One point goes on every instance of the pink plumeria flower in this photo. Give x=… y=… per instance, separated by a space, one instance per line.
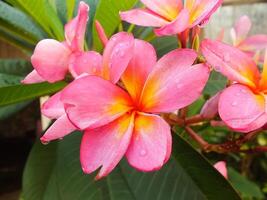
x=171 y=16
x=52 y=60
x=221 y=167
x=110 y=66
x=125 y=121
x=242 y=106
x=251 y=44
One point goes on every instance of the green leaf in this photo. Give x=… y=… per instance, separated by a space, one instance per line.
x=18 y=93
x=186 y=176
x=247 y=188
x=164 y=45
x=107 y=13
x=43 y=14
x=216 y=83
x=12 y=71
x=19 y=24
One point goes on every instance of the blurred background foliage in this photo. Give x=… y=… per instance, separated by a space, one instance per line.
x=53 y=171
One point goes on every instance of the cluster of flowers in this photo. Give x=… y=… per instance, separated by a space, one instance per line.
x=117 y=98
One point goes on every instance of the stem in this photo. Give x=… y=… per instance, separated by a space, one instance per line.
x=131 y=27
x=204 y=145
x=195 y=119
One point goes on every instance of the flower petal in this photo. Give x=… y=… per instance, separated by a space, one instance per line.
x=105 y=146
x=210 y=108
x=263 y=81
x=117 y=55
x=50 y=60
x=241 y=109
x=231 y=62
x=33 y=77
x=202 y=11
x=174 y=83
x=53 y=108
x=168 y=9
x=143 y=17
x=253 y=43
x=86 y=62
x=92 y=102
x=150 y=146
x=60 y=128
x=221 y=167
x=140 y=66
x=180 y=24
x=241 y=29
x=75 y=29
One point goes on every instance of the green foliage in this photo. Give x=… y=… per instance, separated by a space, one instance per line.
x=107 y=14
x=18 y=93
x=53 y=172
x=215 y=84
x=248 y=189
x=42 y=12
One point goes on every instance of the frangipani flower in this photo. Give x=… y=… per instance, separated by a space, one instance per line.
x=125 y=121
x=110 y=66
x=171 y=16
x=251 y=44
x=242 y=106
x=52 y=59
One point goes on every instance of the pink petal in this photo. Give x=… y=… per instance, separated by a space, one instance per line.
x=75 y=29
x=241 y=109
x=101 y=33
x=50 y=60
x=231 y=62
x=253 y=43
x=92 y=102
x=242 y=27
x=151 y=143
x=221 y=167
x=140 y=66
x=117 y=55
x=263 y=81
x=178 y=25
x=33 y=77
x=105 y=146
x=86 y=62
x=202 y=11
x=143 y=17
x=210 y=108
x=174 y=83
x=168 y=9
x=60 y=128
x=53 y=108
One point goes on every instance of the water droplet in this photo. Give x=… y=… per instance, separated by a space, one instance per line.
x=44 y=142
x=122 y=54
x=226 y=57
x=117 y=50
x=243 y=91
x=217 y=68
x=143 y=152
x=234 y=103
x=60 y=138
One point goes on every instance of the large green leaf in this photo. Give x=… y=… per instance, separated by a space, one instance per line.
x=107 y=13
x=42 y=12
x=8 y=111
x=186 y=176
x=12 y=71
x=164 y=45
x=19 y=24
x=18 y=93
